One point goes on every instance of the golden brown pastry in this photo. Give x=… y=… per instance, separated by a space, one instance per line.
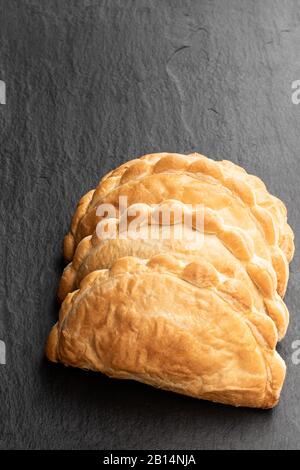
x=173 y=325
x=155 y=173
x=200 y=315
x=93 y=253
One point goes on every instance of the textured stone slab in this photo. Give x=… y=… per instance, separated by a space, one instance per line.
x=90 y=84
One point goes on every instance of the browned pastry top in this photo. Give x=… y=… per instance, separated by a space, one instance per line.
x=201 y=318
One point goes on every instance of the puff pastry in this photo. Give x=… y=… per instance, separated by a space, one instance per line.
x=200 y=318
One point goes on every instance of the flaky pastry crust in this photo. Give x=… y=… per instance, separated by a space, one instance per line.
x=173 y=325
x=200 y=318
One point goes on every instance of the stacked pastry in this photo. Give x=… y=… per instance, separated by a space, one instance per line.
x=199 y=314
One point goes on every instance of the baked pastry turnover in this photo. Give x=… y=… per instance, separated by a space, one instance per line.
x=199 y=314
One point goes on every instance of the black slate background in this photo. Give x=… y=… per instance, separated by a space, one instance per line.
x=90 y=84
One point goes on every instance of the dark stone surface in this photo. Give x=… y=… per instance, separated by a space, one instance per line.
x=91 y=84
